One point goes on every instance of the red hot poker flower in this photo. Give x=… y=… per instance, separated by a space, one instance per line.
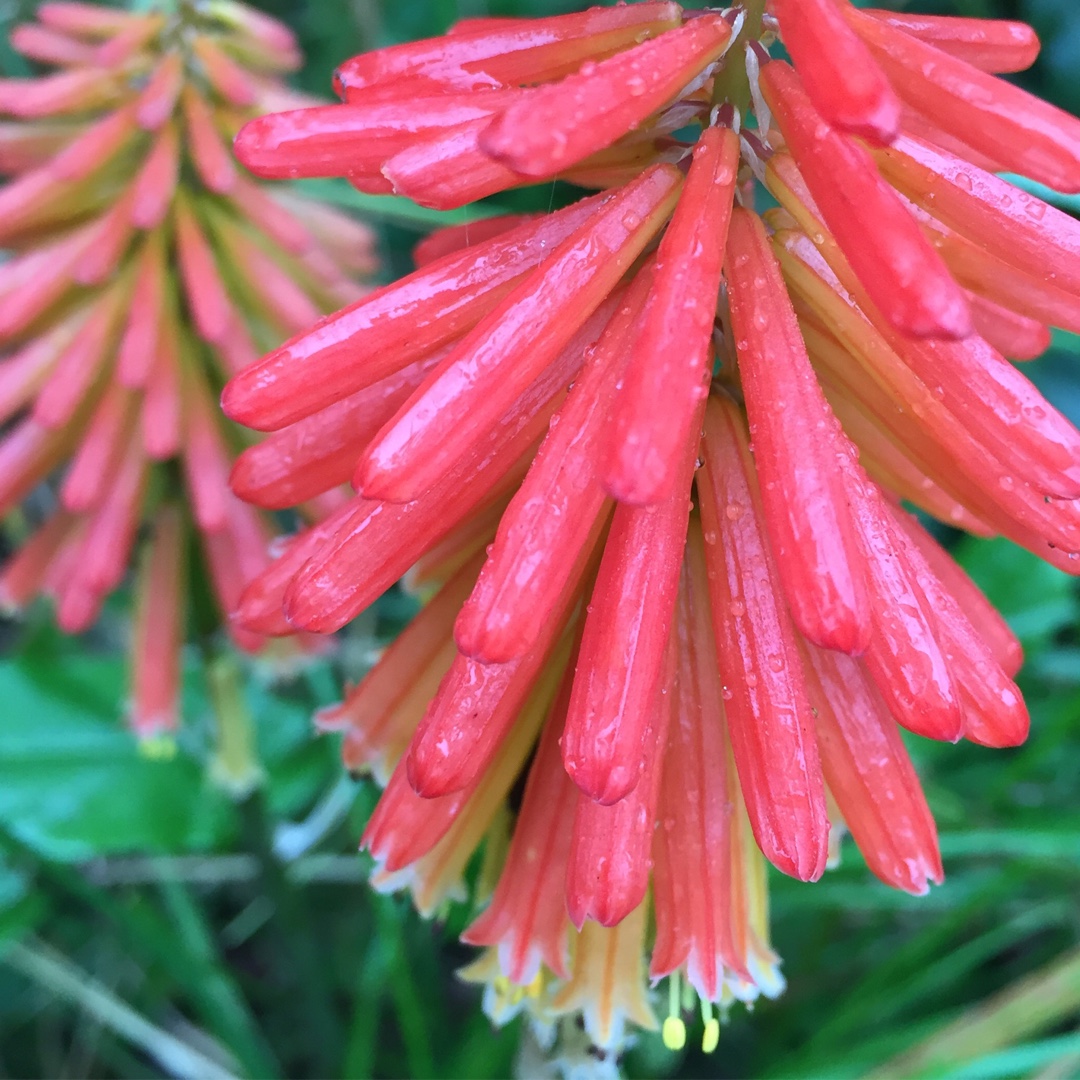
x=711 y=660
x=112 y=362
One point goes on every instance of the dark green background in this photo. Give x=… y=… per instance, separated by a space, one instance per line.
x=140 y=884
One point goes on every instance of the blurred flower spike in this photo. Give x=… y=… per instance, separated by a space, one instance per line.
x=655 y=448
x=144 y=269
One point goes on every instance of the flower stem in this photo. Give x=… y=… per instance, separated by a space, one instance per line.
x=730 y=83
x=235 y=766
x=55 y=973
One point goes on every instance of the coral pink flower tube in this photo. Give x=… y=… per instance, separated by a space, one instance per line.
x=994 y=45
x=1023 y=133
x=620 y=665
x=870 y=774
x=494 y=364
x=560 y=124
x=904 y=276
x=393 y=326
x=607 y=874
x=669 y=366
x=527 y=918
x=796 y=449
x=841 y=76
x=514 y=52
x=772 y=728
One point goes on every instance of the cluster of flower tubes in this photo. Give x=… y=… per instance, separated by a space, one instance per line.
x=650 y=459
x=145 y=268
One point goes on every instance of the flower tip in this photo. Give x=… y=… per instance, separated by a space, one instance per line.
x=1005 y=727
x=429 y=773
x=603 y=902
x=477 y=638
x=880 y=125
x=236 y=401
x=253 y=614
x=247 y=482
x=315 y=616
x=627 y=479
x=845 y=631
x=374 y=480
x=806 y=862
x=1012 y=659
x=945 y=315
x=913 y=873
x=605 y=782
x=257 y=147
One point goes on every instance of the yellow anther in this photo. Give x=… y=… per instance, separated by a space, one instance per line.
x=674 y=1033
x=536 y=987
x=710 y=1040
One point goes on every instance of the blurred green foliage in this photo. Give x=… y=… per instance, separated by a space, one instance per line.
x=150 y=925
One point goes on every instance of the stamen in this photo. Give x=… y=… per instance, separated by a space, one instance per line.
x=674 y=1029
x=710 y=1038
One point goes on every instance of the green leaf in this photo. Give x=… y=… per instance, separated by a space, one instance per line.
x=1036 y=599
x=73 y=784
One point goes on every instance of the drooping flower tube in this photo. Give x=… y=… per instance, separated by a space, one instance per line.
x=144 y=269
x=659 y=451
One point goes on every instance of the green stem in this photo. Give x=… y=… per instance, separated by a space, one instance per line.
x=235 y=766
x=730 y=83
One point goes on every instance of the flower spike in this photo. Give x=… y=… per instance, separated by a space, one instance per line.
x=120 y=312
x=521 y=416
